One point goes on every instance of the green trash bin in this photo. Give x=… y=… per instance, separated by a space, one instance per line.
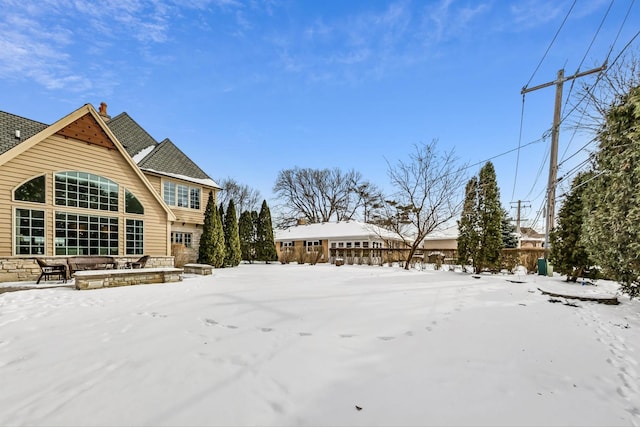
x=542 y=267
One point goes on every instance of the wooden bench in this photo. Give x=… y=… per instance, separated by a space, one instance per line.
x=90 y=262
x=94 y=279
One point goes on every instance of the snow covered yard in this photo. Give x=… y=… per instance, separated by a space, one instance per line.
x=309 y=345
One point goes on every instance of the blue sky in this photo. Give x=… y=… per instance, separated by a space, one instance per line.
x=249 y=88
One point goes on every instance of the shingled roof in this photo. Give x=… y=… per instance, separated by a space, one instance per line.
x=10 y=123
x=167 y=159
x=130 y=134
x=164 y=158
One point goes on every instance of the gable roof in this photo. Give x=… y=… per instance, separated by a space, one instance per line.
x=76 y=125
x=334 y=230
x=167 y=159
x=449 y=233
x=10 y=123
x=132 y=136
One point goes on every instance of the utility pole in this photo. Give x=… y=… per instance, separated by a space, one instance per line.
x=555 y=134
x=518 y=216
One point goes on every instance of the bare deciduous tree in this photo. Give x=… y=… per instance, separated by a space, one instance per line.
x=321 y=195
x=245 y=198
x=594 y=99
x=427 y=195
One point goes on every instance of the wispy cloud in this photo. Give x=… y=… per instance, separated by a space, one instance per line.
x=51 y=41
x=532 y=13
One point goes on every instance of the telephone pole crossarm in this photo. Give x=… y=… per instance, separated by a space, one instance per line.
x=555 y=134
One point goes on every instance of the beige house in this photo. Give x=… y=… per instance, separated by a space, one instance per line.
x=442 y=243
x=349 y=241
x=530 y=238
x=86 y=185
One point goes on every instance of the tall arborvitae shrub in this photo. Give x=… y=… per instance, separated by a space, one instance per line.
x=568 y=252
x=265 y=245
x=468 y=225
x=247 y=235
x=612 y=231
x=489 y=219
x=205 y=250
x=231 y=237
x=218 y=240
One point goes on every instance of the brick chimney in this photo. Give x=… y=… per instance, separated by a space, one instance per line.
x=103 y=112
x=302 y=221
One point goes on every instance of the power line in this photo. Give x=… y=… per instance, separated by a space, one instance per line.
x=515 y=178
x=551 y=44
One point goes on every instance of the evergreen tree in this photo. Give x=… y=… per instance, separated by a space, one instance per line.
x=468 y=224
x=221 y=213
x=247 y=235
x=218 y=254
x=509 y=239
x=612 y=232
x=568 y=252
x=205 y=250
x=231 y=236
x=489 y=219
x=265 y=245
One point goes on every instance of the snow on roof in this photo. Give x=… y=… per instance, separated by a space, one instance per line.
x=334 y=230
x=209 y=182
x=445 y=233
x=143 y=153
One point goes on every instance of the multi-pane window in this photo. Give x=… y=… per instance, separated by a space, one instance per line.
x=86 y=190
x=365 y=244
x=313 y=245
x=29 y=232
x=135 y=237
x=181 y=195
x=194 y=200
x=132 y=204
x=286 y=247
x=31 y=191
x=85 y=234
x=182 y=238
x=170 y=193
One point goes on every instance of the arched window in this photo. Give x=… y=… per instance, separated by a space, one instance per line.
x=86 y=190
x=31 y=191
x=132 y=204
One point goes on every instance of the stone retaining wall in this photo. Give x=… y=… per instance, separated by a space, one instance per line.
x=95 y=279
x=202 y=269
x=16 y=269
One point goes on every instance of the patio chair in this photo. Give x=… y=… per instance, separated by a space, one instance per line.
x=51 y=270
x=140 y=263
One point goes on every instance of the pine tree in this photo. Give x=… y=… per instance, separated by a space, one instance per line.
x=568 y=252
x=247 y=235
x=509 y=239
x=265 y=245
x=612 y=228
x=468 y=224
x=489 y=219
x=231 y=236
x=205 y=250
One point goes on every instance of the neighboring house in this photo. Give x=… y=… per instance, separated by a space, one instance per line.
x=441 y=244
x=352 y=241
x=530 y=238
x=76 y=187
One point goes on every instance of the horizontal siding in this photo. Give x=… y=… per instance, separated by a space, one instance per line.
x=56 y=154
